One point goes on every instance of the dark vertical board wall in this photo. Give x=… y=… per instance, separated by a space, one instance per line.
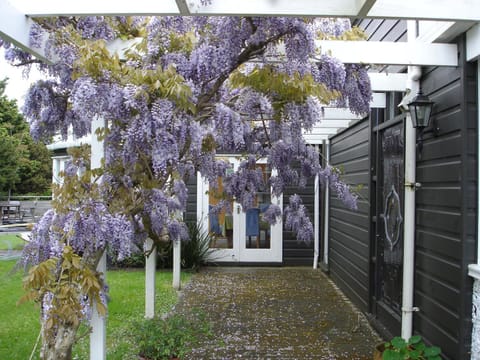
x=446 y=210
x=191 y=213
x=295 y=252
x=349 y=238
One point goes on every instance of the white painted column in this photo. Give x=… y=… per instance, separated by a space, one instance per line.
x=150 y=272
x=316 y=218
x=326 y=210
x=176 y=264
x=55 y=170
x=98 y=336
x=474 y=269
x=409 y=205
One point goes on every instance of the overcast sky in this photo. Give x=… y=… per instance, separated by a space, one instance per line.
x=17 y=84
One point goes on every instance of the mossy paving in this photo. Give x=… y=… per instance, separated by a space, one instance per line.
x=276 y=313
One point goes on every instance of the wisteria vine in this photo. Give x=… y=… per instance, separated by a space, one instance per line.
x=187 y=89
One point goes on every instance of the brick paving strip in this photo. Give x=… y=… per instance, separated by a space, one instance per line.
x=276 y=313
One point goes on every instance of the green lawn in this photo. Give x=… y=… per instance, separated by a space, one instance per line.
x=19 y=324
x=11 y=242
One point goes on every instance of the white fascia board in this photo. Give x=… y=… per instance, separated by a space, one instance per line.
x=315 y=139
x=15 y=28
x=391 y=53
x=473 y=43
x=465 y=10
x=86 y=140
x=388 y=82
x=379 y=100
x=332 y=113
x=330 y=124
x=323 y=131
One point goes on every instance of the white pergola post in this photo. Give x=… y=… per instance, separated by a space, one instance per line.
x=98 y=336
x=150 y=272
x=176 y=264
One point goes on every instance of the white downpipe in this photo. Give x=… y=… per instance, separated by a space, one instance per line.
x=409 y=206
x=326 y=230
x=98 y=336
x=150 y=268
x=316 y=220
x=176 y=264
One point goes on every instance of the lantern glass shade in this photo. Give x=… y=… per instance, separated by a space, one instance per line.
x=420 y=110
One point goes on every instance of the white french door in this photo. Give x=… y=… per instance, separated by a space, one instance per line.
x=238 y=235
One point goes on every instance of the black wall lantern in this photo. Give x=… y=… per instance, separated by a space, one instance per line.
x=420 y=110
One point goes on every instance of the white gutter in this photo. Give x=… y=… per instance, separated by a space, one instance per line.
x=327 y=206
x=414 y=74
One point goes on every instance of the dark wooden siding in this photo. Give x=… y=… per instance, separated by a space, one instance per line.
x=191 y=213
x=349 y=238
x=295 y=252
x=446 y=210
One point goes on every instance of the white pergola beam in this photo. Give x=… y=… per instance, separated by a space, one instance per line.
x=459 y=10
x=15 y=27
x=473 y=43
x=330 y=113
x=391 y=53
x=385 y=82
x=95 y=7
x=315 y=139
x=463 y=10
x=326 y=8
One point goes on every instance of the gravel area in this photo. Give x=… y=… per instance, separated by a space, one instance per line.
x=276 y=313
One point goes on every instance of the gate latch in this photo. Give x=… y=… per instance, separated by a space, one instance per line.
x=413 y=186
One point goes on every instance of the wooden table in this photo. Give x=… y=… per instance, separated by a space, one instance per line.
x=10 y=211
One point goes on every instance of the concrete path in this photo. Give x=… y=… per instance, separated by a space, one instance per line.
x=276 y=313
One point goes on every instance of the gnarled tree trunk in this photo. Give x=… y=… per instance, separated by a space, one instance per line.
x=59 y=346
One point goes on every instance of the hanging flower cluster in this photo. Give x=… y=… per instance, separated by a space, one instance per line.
x=192 y=87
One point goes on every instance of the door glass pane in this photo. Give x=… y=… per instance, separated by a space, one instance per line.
x=257 y=231
x=220 y=224
x=391 y=234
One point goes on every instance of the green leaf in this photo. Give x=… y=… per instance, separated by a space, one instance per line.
x=399 y=343
x=432 y=351
x=414 y=340
x=390 y=354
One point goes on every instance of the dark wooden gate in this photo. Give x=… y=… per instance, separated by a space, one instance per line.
x=388 y=257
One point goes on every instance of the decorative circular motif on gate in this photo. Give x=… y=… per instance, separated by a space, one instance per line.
x=392 y=218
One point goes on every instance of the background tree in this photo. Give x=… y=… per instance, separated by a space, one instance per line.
x=189 y=89
x=26 y=163
x=9 y=157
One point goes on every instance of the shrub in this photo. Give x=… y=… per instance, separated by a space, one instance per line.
x=196 y=252
x=414 y=348
x=172 y=337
